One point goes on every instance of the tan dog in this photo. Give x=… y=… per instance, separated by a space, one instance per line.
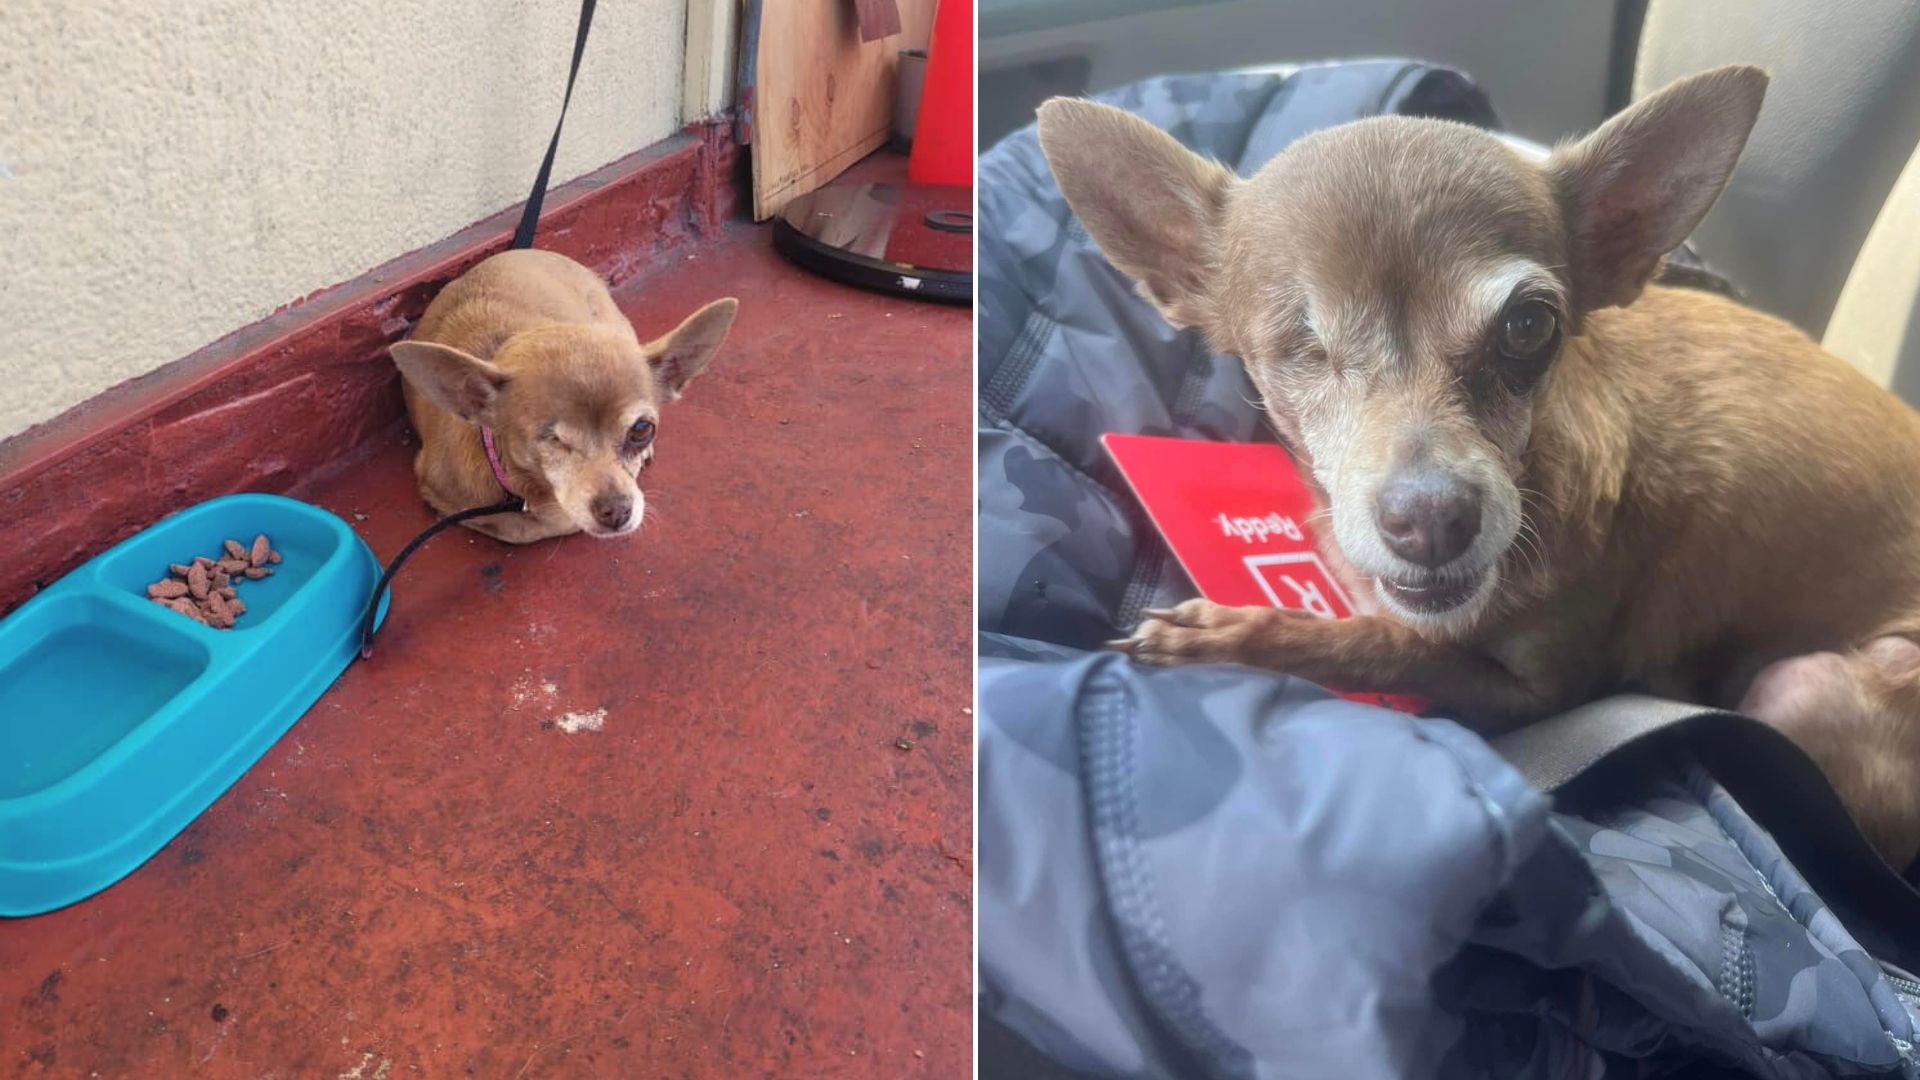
x=529 y=347
x=1549 y=479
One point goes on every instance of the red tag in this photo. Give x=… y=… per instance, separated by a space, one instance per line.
x=1235 y=515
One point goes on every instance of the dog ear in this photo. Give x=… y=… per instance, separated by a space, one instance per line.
x=459 y=382
x=1152 y=205
x=685 y=350
x=1635 y=188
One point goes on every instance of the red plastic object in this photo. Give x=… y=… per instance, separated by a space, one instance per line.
x=943 y=134
x=1237 y=517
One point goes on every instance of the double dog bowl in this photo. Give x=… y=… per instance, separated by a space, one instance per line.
x=121 y=720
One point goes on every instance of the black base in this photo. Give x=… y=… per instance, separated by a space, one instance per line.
x=839 y=264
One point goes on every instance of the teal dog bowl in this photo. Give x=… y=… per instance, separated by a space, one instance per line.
x=120 y=721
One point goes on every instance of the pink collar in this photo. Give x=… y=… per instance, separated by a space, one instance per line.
x=493 y=459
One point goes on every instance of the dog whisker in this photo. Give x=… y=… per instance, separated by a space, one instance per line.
x=1539 y=496
x=1529 y=549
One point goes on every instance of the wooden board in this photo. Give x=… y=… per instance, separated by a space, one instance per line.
x=822 y=99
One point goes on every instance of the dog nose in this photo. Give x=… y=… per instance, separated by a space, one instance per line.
x=1427 y=516
x=612 y=511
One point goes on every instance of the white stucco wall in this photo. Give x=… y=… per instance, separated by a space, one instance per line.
x=170 y=172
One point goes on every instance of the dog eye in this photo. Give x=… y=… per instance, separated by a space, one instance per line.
x=1528 y=329
x=639 y=436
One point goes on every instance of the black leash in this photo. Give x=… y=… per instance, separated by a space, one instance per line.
x=511 y=505
x=522 y=238
x=530 y=217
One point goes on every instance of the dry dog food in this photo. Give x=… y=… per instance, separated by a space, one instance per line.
x=203 y=590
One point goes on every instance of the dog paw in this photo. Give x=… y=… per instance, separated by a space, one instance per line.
x=1199 y=632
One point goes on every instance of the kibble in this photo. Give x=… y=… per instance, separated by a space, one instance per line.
x=187 y=608
x=203 y=590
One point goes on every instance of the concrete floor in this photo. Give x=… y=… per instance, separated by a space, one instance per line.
x=758 y=865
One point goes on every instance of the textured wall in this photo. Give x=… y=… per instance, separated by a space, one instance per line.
x=171 y=172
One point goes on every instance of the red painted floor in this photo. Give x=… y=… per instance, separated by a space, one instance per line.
x=759 y=864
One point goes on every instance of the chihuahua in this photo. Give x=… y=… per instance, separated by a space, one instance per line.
x=1546 y=476
x=523 y=378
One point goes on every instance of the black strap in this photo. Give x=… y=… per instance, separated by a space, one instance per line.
x=1553 y=753
x=511 y=505
x=1769 y=774
x=530 y=217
